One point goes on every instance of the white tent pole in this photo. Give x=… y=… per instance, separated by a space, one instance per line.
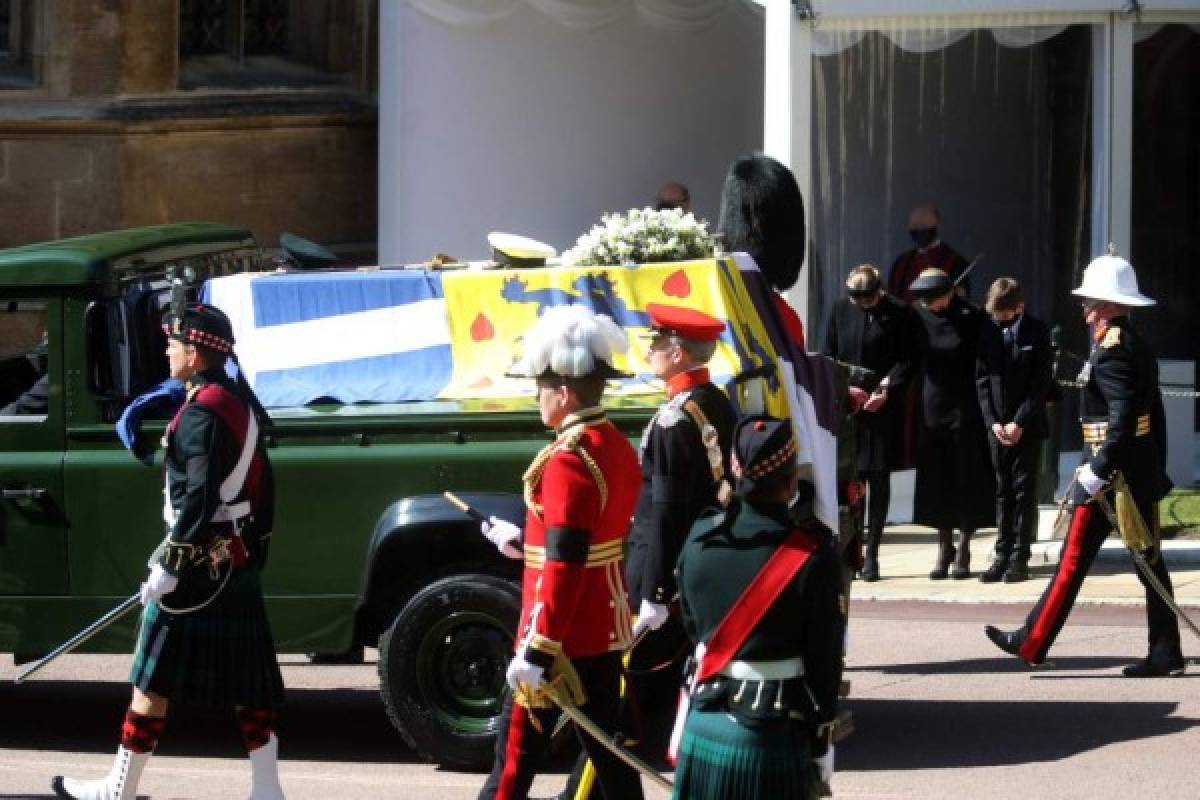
x=389 y=191
x=787 y=116
x=1112 y=133
x=1122 y=134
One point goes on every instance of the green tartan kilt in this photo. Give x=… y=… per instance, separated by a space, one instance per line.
x=721 y=759
x=221 y=655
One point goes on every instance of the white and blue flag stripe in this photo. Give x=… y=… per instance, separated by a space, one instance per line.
x=352 y=337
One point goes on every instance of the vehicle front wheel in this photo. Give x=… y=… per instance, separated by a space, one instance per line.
x=441 y=667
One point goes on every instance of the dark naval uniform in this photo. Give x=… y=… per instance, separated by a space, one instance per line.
x=1124 y=430
x=222 y=652
x=755 y=738
x=677 y=481
x=580 y=493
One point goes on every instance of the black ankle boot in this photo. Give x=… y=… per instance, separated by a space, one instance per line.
x=994 y=572
x=944 y=557
x=1017 y=571
x=962 y=562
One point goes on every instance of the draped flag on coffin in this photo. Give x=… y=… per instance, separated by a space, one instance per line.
x=398 y=335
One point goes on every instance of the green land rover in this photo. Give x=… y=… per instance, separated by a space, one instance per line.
x=367 y=552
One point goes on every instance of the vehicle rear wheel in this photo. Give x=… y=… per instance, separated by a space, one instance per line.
x=442 y=664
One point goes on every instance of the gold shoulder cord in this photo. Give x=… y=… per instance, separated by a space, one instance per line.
x=570 y=444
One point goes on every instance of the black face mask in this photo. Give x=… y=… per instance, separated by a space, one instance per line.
x=923 y=237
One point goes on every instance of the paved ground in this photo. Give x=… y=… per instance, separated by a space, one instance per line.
x=939 y=714
x=908 y=554
x=939 y=711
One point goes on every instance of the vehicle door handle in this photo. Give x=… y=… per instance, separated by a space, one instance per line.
x=33 y=494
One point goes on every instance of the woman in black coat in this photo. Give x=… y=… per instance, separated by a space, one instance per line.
x=955 y=482
x=872 y=330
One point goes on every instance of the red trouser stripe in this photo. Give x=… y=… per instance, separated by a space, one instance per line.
x=518 y=723
x=1033 y=648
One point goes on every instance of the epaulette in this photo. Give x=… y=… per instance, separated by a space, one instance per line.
x=570 y=443
x=1112 y=337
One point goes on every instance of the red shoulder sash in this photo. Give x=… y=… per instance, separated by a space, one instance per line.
x=750 y=607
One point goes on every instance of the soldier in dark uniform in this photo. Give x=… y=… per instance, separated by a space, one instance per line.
x=204 y=633
x=580 y=491
x=684 y=455
x=955 y=485
x=1124 y=430
x=765 y=689
x=872 y=329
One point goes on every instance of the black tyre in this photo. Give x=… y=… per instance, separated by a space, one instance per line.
x=441 y=667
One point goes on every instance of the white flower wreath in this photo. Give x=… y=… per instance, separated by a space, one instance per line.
x=642 y=236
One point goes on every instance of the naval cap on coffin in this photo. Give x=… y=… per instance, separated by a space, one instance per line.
x=511 y=250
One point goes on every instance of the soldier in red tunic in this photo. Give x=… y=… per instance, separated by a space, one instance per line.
x=580 y=492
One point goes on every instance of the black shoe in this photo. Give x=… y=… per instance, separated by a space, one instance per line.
x=1008 y=641
x=1150 y=667
x=959 y=572
x=870 y=570
x=939 y=572
x=1017 y=571
x=994 y=573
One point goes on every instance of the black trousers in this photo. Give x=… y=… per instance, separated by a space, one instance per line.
x=1089 y=528
x=521 y=748
x=1016 y=497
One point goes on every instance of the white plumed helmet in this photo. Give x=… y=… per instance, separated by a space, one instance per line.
x=1111 y=278
x=571 y=341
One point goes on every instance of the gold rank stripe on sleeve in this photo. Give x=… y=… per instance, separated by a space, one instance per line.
x=599 y=555
x=1097 y=432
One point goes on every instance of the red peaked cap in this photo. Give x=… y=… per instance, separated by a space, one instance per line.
x=686 y=323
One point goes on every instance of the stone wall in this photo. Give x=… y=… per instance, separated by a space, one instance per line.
x=106 y=140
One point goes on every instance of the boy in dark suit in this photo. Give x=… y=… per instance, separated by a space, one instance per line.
x=1013 y=378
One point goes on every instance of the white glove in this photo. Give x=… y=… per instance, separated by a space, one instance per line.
x=158 y=585
x=824 y=766
x=503 y=534
x=651 y=616
x=1089 y=480
x=521 y=672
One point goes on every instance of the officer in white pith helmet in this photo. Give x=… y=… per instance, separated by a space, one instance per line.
x=1124 y=434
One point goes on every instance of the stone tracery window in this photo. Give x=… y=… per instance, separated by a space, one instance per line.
x=17 y=44
x=270 y=43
